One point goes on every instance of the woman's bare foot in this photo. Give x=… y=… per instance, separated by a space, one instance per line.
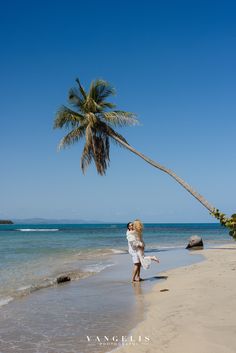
x=134 y=280
x=138 y=280
x=154 y=258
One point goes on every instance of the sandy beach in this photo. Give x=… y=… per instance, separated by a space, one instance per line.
x=196 y=314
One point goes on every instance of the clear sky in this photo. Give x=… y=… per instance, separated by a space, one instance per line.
x=171 y=62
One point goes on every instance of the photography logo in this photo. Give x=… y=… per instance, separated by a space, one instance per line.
x=117 y=340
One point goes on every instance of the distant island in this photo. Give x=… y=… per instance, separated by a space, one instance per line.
x=5 y=221
x=54 y=221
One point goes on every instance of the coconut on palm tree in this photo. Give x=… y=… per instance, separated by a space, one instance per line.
x=92 y=117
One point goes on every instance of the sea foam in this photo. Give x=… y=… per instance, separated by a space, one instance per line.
x=5 y=301
x=38 y=230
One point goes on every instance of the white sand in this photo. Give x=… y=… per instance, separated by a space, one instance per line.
x=197 y=314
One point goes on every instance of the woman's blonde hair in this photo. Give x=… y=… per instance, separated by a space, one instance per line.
x=138 y=226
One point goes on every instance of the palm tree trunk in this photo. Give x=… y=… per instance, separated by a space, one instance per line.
x=199 y=197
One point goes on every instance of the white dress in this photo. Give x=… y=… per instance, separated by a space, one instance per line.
x=135 y=248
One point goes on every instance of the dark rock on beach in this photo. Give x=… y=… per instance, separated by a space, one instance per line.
x=195 y=243
x=63 y=278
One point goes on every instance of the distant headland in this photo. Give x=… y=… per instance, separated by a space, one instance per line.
x=54 y=221
x=5 y=221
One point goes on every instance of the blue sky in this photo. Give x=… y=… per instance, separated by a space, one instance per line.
x=171 y=62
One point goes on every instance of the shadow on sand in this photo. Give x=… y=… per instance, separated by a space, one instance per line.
x=153 y=278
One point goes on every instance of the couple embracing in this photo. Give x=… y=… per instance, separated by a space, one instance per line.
x=136 y=246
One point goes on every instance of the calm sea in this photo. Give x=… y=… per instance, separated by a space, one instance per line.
x=32 y=256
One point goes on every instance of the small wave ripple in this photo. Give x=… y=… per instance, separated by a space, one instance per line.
x=38 y=230
x=48 y=282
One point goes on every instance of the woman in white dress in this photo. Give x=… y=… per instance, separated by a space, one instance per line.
x=136 y=248
x=133 y=252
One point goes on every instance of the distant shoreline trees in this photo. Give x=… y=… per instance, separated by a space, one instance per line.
x=5 y=221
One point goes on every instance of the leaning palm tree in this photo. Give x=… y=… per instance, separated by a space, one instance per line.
x=92 y=117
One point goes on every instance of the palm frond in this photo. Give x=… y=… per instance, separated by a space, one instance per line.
x=108 y=105
x=75 y=98
x=100 y=90
x=107 y=130
x=66 y=117
x=82 y=90
x=101 y=153
x=72 y=137
x=97 y=149
x=92 y=106
x=120 y=118
x=86 y=157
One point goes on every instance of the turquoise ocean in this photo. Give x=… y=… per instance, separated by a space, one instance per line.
x=33 y=256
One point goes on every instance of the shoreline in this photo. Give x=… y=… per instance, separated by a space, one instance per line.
x=192 y=311
x=104 y=304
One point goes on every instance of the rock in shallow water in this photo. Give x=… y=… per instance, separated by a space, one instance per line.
x=195 y=243
x=63 y=278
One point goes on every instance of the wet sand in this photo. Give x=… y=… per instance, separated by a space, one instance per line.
x=87 y=316
x=196 y=314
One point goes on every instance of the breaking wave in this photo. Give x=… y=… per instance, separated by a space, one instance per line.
x=53 y=282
